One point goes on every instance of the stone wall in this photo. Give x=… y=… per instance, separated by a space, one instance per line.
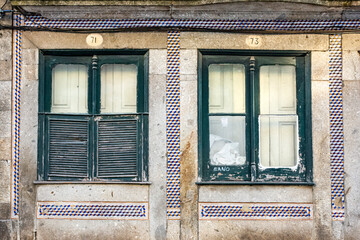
x=7 y=226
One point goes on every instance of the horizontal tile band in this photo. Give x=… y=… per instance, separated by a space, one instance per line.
x=93 y=210
x=213 y=24
x=255 y=211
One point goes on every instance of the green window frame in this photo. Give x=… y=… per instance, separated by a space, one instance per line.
x=252 y=171
x=91 y=145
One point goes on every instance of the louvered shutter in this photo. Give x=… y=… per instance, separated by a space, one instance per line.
x=68 y=148
x=117 y=148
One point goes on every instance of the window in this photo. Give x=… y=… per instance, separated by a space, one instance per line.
x=255 y=117
x=93 y=116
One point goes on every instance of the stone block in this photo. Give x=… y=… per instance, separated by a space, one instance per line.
x=187 y=77
x=29 y=72
x=320 y=65
x=5 y=45
x=173 y=230
x=4 y=211
x=5 y=129
x=242 y=193
x=157 y=61
x=351 y=111
x=350 y=42
x=26 y=43
x=5 y=230
x=265 y=230
x=321 y=159
x=5 y=181
x=5 y=148
x=133 y=40
x=188 y=61
x=188 y=160
x=189 y=111
x=194 y=40
x=29 y=131
x=5 y=124
x=5 y=95
x=5 y=70
x=92 y=229
x=157 y=155
x=351 y=65
x=93 y=192
x=30 y=56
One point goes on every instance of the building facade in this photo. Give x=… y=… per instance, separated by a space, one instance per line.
x=179 y=120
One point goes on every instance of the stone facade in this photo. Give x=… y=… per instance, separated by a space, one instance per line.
x=155 y=224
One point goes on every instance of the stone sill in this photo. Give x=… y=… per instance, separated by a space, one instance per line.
x=254 y=183
x=89 y=182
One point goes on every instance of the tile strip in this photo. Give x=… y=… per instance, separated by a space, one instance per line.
x=213 y=24
x=336 y=129
x=255 y=211
x=173 y=125
x=92 y=210
x=15 y=178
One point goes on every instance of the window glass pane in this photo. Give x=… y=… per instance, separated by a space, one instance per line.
x=278 y=140
x=278 y=89
x=118 y=88
x=227 y=88
x=278 y=119
x=227 y=140
x=69 y=88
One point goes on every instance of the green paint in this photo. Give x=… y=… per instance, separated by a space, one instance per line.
x=250 y=172
x=50 y=58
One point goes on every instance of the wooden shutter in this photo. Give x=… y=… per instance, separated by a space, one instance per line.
x=68 y=148
x=117 y=148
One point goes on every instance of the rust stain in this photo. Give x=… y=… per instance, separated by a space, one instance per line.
x=339 y=202
x=188 y=190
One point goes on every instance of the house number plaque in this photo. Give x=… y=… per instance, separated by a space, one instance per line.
x=253 y=41
x=94 y=40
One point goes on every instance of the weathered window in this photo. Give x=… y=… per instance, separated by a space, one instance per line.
x=93 y=116
x=255 y=118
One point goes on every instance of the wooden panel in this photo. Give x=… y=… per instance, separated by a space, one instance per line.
x=226 y=88
x=118 y=88
x=278 y=141
x=69 y=89
x=68 y=148
x=277 y=89
x=117 y=148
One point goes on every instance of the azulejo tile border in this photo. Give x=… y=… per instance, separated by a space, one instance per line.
x=214 y=24
x=173 y=125
x=15 y=168
x=92 y=210
x=336 y=129
x=255 y=211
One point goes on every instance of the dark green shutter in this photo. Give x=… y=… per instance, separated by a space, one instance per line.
x=117 y=148
x=68 y=148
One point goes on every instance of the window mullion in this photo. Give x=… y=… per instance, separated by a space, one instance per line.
x=94 y=99
x=253 y=143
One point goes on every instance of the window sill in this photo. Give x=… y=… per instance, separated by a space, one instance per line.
x=89 y=182
x=254 y=183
